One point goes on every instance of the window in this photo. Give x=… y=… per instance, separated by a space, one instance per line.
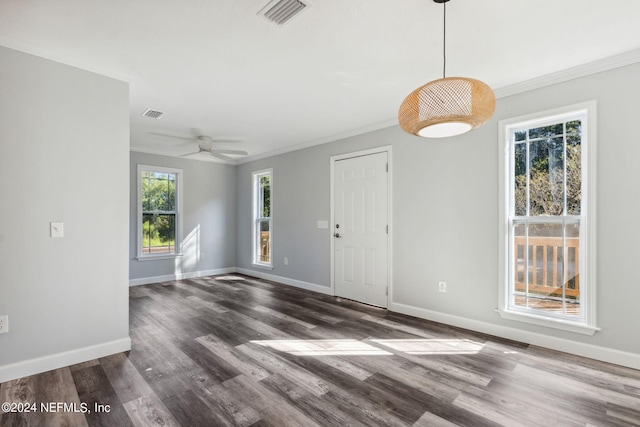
x=158 y=212
x=262 y=223
x=547 y=214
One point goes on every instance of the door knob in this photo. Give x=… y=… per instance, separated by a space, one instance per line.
x=337 y=235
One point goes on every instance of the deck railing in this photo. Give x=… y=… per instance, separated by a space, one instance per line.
x=264 y=246
x=549 y=268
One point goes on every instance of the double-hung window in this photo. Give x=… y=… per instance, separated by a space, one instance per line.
x=262 y=221
x=158 y=212
x=547 y=215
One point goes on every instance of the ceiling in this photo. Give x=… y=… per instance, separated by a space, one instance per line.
x=339 y=68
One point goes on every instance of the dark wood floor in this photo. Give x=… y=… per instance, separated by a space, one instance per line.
x=233 y=350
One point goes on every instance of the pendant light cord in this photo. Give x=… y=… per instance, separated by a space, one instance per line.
x=444 y=41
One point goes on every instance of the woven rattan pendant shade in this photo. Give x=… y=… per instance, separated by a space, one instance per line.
x=447 y=107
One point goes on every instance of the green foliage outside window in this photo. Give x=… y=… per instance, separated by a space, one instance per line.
x=265 y=192
x=158 y=211
x=549 y=158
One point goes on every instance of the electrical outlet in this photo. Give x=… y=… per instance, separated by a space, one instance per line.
x=286 y=261
x=442 y=286
x=4 y=324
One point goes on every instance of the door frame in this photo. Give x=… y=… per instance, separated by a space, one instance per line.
x=383 y=149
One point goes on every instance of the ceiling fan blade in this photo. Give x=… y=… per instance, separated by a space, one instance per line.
x=166 y=135
x=221 y=156
x=190 y=154
x=238 y=152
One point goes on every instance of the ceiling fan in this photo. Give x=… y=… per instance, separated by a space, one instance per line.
x=205 y=144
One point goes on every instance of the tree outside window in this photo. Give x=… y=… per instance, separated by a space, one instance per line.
x=158 y=211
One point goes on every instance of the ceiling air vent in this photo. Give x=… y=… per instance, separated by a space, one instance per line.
x=280 y=11
x=153 y=114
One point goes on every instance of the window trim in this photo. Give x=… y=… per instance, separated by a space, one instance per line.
x=588 y=218
x=177 y=252
x=255 y=182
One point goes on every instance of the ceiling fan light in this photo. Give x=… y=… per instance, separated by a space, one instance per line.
x=447 y=107
x=205 y=138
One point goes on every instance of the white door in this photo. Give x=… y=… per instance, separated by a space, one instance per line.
x=360 y=228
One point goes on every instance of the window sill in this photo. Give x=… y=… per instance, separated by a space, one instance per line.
x=565 y=325
x=157 y=257
x=262 y=266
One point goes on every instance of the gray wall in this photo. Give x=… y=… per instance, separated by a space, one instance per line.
x=445 y=212
x=209 y=217
x=64 y=150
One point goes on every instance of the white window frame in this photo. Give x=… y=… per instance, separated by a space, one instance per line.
x=177 y=250
x=586 y=324
x=257 y=219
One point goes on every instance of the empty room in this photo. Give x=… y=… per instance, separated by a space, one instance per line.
x=319 y=213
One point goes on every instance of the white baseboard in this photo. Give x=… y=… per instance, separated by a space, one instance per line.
x=631 y=360
x=179 y=276
x=259 y=274
x=60 y=360
x=292 y=282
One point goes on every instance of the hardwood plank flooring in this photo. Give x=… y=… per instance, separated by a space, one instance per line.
x=232 y=350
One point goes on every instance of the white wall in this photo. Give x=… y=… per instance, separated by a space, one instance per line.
x=445 y=218
x=64 y=153
x=209 y=220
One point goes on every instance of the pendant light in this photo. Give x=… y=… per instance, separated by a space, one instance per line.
x=448 y=106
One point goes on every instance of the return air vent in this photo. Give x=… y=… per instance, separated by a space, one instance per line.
x=280 y=11
x=153 y=114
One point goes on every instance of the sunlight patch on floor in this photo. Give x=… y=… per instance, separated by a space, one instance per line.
x=432 y=346
x=229 y=278
x=347 y=347
x=324 y=347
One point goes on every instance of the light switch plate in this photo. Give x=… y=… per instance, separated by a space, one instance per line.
x=57 y=229
x=4 y=324
x=323 y=224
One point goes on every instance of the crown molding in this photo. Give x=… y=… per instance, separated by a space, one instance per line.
x=354 y=132
x=605 y=64
x=66 y=59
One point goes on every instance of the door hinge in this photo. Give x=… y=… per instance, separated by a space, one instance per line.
x=387 y=229
x=386 y=292
x=387 y=167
